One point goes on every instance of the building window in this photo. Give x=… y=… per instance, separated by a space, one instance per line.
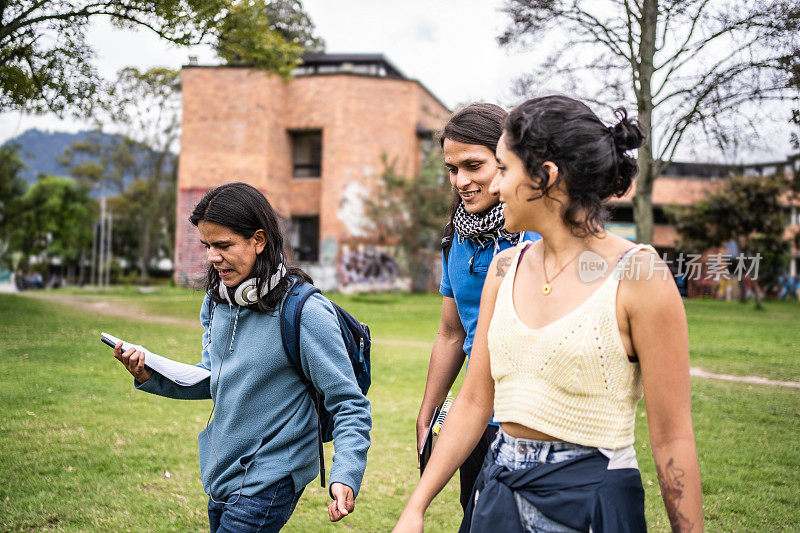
x=305 y=238
x=306 y=153
x=426 y=146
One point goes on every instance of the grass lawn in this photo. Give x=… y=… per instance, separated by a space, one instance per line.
x=733 y=338
x=83 y=451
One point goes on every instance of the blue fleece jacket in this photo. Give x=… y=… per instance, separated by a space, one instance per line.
x=264 y=419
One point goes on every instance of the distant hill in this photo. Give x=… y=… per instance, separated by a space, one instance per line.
x=40 y=150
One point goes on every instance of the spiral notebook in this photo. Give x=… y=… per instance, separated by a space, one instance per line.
x=178 y=372
x=437 y=421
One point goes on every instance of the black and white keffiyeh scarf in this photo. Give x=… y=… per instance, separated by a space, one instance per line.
x=488 y=226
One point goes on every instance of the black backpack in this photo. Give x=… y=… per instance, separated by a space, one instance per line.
x=356 y=339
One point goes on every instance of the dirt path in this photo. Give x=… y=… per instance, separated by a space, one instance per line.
x=109 y=309
x=106 y=308
x=755 y=380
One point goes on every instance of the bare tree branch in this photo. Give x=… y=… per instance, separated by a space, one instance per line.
x=677 y=90
x=631 y=47
x=683 y=47
x=692 y=82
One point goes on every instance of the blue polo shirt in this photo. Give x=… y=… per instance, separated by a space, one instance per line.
x=463 y=274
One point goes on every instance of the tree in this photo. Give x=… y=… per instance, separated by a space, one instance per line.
x=748 y=211
x=146 y=105
x=687 y=66
x=791 y=64
x=139 y=167
x=139 y=184
x=278 y=28
x=55 y=220
x=414 y=211
x=246 y=37
x=288 y=18
x=12 y=189
x=144 y=223
x=47 y=65
x=99 y=162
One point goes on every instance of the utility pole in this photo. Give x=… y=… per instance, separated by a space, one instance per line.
x=92 y=270
x=101 y=262
x=78 y=280
x=108 y=249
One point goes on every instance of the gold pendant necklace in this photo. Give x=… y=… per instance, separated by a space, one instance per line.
x=547 y=288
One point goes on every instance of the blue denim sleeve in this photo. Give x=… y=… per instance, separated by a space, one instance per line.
x=325 y=361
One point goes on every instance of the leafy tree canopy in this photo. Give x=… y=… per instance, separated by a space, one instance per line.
x=12 y=188
x=47 y=65
x=288 y=18
x=102 y=164
x=145 y=107
x=247 y=38
x=748 y=210
x=55 y=220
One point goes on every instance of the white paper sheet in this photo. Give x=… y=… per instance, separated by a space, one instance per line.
x=180 y=373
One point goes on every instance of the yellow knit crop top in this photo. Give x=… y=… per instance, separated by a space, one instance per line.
x=570 y=379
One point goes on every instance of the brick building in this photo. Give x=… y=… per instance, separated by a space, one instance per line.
x=686 y=183
x=312 y=145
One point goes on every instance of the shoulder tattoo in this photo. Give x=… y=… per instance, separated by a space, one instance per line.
x=502 y=266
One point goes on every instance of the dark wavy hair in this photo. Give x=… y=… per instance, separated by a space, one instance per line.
x=592 y=158
x=244 y=210
x=479 y=123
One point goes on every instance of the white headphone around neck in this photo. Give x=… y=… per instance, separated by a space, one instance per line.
x=246 y=293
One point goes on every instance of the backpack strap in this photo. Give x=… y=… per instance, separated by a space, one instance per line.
x=447 y=240
x=291 y=308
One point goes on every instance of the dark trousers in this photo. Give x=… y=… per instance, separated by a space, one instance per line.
x=472 y=466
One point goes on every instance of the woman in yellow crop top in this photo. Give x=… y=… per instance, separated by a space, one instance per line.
x=572 y=330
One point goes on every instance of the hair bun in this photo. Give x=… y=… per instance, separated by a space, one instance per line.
x=627 y=134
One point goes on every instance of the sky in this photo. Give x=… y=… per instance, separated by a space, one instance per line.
x=449 y=46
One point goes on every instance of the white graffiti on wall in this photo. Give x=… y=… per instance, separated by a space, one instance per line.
x=352 y=211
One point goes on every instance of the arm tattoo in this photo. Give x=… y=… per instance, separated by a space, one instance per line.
x=671 y=485
x=502 y=266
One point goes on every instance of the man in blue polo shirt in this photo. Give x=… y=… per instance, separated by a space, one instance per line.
x=475 y=234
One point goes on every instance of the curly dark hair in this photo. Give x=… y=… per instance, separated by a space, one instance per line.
x=244 y=210
x=592 y=158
